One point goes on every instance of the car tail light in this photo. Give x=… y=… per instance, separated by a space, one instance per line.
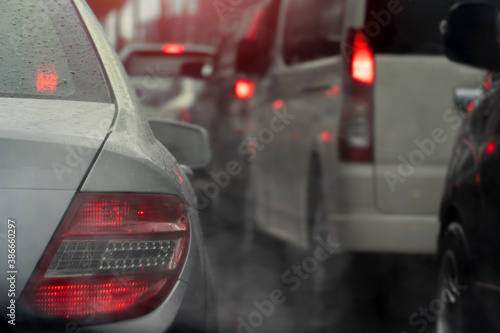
x=490 y=148
x=356 y=128
x=355 y=133
x=487 y=83
x=173 y=49
x=363 y=63
x=114 y=256
x=244 y=89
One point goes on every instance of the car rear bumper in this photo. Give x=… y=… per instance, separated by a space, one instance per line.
x=385 y=233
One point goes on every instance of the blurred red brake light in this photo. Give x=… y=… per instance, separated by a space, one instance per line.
x=244 y=89
x=363 y=63
x=173 y=49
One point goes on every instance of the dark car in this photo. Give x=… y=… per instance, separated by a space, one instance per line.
x=469 y=299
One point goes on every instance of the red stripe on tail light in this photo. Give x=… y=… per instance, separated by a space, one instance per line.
x=114 y=256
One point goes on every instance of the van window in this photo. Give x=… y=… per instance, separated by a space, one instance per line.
x=259 y=24
x=409 y=27
x=312 y=30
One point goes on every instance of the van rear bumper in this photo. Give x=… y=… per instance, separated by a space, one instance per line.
x=412 y=234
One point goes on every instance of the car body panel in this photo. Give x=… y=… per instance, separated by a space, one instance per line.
x=50 y=144
x=405 y=94
x=307 y=91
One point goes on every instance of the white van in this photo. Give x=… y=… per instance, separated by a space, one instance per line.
x=354 y=123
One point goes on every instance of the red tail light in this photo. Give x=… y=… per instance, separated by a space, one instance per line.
x=363 y=63
x=487 y=83
x=356 y=128
x=173 y=49
x=491 y=147
x=114 y=256
x=244 y=89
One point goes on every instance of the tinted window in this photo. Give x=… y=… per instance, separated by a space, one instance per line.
x=406 y=27
x=312 y=30
x=45 y=53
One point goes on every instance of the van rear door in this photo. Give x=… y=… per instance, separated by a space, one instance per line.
x=415 y=125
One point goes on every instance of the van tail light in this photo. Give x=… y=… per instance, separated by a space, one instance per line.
x=244 y=89
x=363 y=63
x=356 y=131
x=114 y=256
x=356 y=127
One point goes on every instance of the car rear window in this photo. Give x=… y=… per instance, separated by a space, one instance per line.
x=46 y=53
x=406 y=27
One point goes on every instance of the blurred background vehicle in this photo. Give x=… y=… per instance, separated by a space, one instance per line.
x=468 y=246
x=104 y=231
x=167 y=78
x=224 y=103
x=345 y=125
x=160 y=41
